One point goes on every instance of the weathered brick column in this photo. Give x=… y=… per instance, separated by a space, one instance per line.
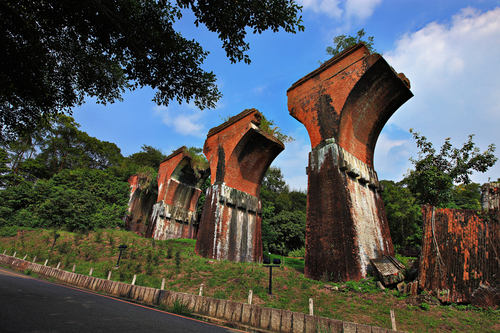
x=139 y=207
x=344 y=105
x=239 y=153
x=174 y=215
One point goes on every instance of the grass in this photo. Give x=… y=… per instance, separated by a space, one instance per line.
x=184 y=271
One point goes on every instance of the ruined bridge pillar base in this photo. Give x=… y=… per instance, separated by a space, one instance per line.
x=346 y=223
x=239 y=153
x=171 y=222
x=233 y=220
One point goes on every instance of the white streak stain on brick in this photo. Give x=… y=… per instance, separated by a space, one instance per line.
x=364 y=209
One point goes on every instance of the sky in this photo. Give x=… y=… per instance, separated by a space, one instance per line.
x=449 y=50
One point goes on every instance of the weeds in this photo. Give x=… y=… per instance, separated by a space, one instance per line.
x=178 y=259
x=181 y=308
x=111 y=238
x=98 y=237
x=424 y=306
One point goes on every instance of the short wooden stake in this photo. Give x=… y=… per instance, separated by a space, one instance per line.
x=58 y=265
x=4 y=251
x=109 y=275
x=201 y=290
x=162 y=284
x=34 y=259
x=91 y=270
x=74 y=266
x=393 y=320
x=15 y=254
x=46 y=261
x=133 y=280
x=311 y=307
x=25 y=257
x=250 y=296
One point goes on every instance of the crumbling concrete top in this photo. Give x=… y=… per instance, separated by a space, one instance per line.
x=349 y=99
x=239 y=152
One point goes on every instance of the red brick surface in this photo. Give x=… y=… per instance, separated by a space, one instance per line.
x=344 y=105
x=349 y=98
x=460 y=251
x=174 y=216
x=139 y=207
x=239 y=153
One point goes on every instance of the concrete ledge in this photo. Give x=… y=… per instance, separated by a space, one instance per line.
x=241 y=315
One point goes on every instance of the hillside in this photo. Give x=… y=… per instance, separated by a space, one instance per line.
x=184 y=271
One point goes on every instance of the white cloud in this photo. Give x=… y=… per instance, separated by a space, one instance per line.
x=328 y=7
x=260 y=90
x=391 y=156
x=186 y=120
x=344 y=10
x=453 y=69
x=360 y=9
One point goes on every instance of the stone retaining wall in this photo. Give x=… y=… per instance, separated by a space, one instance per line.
x=241 y=315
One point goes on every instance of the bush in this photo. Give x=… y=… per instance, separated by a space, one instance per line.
x=8 y=231
x=424 y=306
x=178 y=259
x=298 y=253
x=180 y=308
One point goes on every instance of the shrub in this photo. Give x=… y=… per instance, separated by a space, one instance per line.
x=98 y=237
x=178 y=259
x=298 y=253
x=181 y=308
x=425 y=306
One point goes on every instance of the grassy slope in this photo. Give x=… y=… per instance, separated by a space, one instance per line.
x=154 y=260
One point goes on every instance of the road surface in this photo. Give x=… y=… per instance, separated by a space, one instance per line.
x=28 y=304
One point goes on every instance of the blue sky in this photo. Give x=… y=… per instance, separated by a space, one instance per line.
x=449 y=50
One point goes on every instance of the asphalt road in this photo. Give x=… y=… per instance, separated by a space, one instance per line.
x=28 y=304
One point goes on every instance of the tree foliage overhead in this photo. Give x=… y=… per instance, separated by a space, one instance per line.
x=342 y=42
x=56 y=52
x=436 y=172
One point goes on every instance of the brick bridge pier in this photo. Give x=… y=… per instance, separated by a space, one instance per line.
x=174 y=215
x=344 y=104
x=239 y=153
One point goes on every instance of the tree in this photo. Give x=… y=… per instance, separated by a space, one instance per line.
x=342 y=42
x=148 y=156
x=4 y=169
x=467 y=196
x=66 y=147
x=56 y=146
x=56 y=52
x=72 y=200
x=283 y=214
x=287 y=232
x=435 y=172
x=403 y=214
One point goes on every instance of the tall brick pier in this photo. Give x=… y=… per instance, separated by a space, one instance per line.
x=174 y=215
x=344 y=104
x=239 y=153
